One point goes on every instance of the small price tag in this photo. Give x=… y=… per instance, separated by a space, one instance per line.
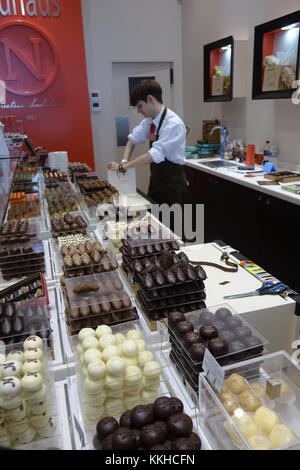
x=214 y=371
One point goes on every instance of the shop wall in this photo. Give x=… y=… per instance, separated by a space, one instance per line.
x=133 y=31
x=207 y=21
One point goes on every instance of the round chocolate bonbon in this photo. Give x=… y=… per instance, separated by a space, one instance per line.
x=163 y=408
x=241 y=332
x=190 y=338
x=180 y=425
x=197 y=351
x=106 y=426
x=177 y=405
x=233 y=322
x=152 y=435
x=125 y=419
x=208 y=332
x=175 y=317
x=223 y=313
x=123 y=439
x=140 y=416
x=218 y=347
x=184 y=327
x=227 y=335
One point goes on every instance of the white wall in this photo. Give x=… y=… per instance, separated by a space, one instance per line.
x=206 y=21
x=132 y=30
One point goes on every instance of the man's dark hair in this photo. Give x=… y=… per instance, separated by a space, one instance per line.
x=143 y=89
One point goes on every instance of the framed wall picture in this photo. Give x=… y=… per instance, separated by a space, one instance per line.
x=218 y=70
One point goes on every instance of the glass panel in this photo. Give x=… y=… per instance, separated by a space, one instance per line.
x=220 y=67
x=279 y=61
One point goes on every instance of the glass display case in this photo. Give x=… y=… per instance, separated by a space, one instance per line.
x=276 y=58
x=218 y=70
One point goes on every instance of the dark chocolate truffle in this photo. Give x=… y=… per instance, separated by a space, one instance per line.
x=106 y=426
x=184 y=327
x=252 y=341
x=196 y=440
x=177 y=405
x=197 y=351
x=227 y=335
x=206 y=317
x=218 y=347
x=123 y=439
x=180 y=425
x=152 y=435
x=140 y=416
x=233 y=322
x=107 y=442
x=223 y=313
x=125 y=419
x=163 y=408
x=190 y=338
x=236 y=346
x=97 y=442
x=183 y=443
x=208 y=332
x=220 y=325
x=241 y=332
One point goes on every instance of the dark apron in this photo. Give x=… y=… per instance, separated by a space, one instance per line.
x=167 y=180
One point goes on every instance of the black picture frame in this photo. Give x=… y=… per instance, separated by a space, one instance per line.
x=207 y=48
x=260 y=31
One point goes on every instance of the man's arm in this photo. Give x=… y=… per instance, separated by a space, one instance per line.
x=143 y=160
x=128 y=150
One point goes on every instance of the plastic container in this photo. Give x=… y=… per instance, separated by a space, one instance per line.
x=30 y=288
x=21 y=259
x=61 y=231
x=223 y=432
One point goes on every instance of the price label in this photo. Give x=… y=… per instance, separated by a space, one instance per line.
x=214 y=371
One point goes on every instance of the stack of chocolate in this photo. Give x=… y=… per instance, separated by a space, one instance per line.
x=30 y=288
x=161 y=425
x=67 y=225
x=96 y=300
x=77 y=167
x=168 y=282
x=22 y=259
x=54 y=177
x=227 y=337
x=61 y=199
x=18 y=320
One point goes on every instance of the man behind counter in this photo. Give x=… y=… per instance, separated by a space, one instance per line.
x=166 y=133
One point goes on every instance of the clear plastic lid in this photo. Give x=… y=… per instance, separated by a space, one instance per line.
x=177 y=301
x=32 y=287
x=239 y=337
x=19 y=252
x=32 y=232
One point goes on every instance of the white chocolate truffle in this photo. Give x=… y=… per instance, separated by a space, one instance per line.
x=258 y=389
x=228 y=401
x=265 y=419
x=11 y=369
x=33 y=342
x=5 y=441
x=37 y=408
x=282 y=436
x=116 y=365
x=85 y=332
x=131 y=401
x=18 y=427
x=260 y=442
x=93 y=387
x=236 y=384
x=96 y=370
x=80 y=350
x=98 y=399
x=141 y=344
x=27 y=436
x=113 y=382
x=109 y=352
x=15 y=414
x=113 y=406
x=90 y=342
x=32 y=382
x=10 y=386
x=15 y=355
x=133 y=334
x=94 y=413
x=150 y=382
x=39 y=421
x=129 y=348
x=49 y=429
x=114 y=393
x=133 y=375
x=144 y=357
x=133 y=389
x=91 y=355
x=32 y=365
x=152 y=369
x=11 y=403
x=244 y=423
x=130 y=361
x=148 y=397
x=35 y=397
x=33 y=353
x=106 y=340
x=103 y=330
x=120 y=338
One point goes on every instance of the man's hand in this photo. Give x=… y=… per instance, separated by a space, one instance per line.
x=113 y=166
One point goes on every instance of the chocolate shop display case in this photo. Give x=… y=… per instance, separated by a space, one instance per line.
x=258 y=408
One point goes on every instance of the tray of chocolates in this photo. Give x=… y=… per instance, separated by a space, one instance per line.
x=257 y=408
x=19 y=319
x=28 y=407
x=32 y=287
x=54 y=176
x=61 y=199
x=96 y=299
x=228 y=337
x=14 y=230
x=21 y=259
x=79 y=168
x=20 y=209
x=68 y=224
x=159 y=426
x=174 y=302
x=86 y=258
x=167 y=270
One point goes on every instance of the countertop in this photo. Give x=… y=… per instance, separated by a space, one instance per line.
x=232 y=175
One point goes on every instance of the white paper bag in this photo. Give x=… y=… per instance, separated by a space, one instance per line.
x=58 y=161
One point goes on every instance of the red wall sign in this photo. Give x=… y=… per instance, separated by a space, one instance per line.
x=42 y=63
